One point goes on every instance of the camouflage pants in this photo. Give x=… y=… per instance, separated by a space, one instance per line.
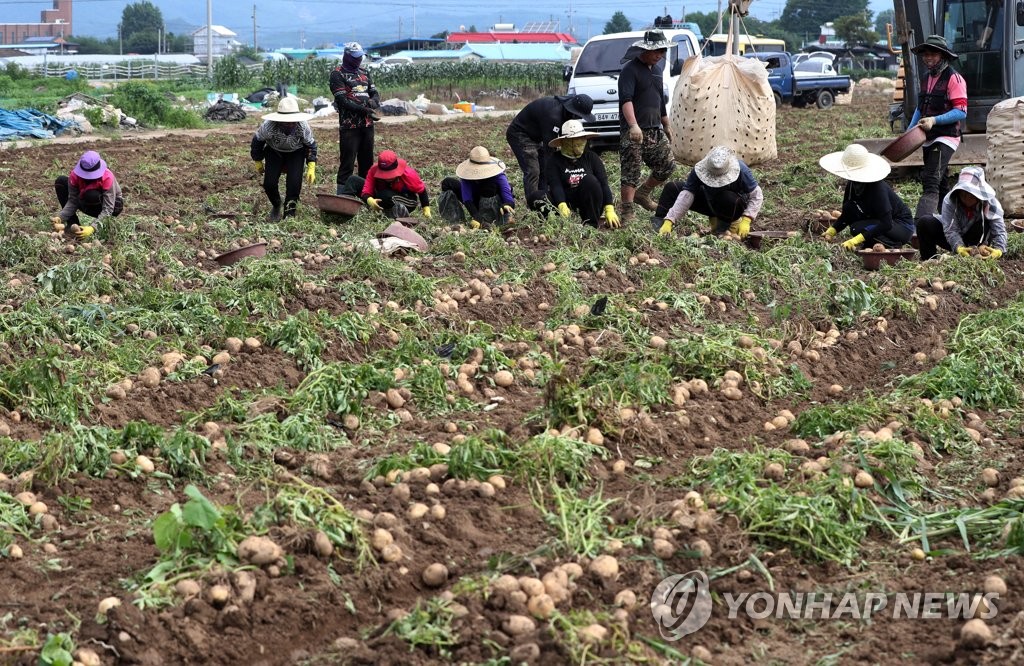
x=655 y=152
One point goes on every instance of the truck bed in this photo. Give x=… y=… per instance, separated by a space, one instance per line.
x=836 y=83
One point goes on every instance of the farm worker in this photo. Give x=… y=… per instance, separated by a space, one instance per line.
x=90 y=188
x=481 y=188
x=284 y=143
x=971 y=217
x=576 y=178
x=643 y=125
x=392 y=187
x=871 y=208
x=358 y=104
x=720 y=186
x=942 y=106
x=531 y=131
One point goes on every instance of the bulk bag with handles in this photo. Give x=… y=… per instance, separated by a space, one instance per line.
x=1004 y=169
x=723 y=101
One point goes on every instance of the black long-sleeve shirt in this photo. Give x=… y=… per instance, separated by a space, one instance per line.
x=541 y=119
x=873 y=201
x=564 y=173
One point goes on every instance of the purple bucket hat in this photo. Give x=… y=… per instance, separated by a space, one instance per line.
x=91 y=166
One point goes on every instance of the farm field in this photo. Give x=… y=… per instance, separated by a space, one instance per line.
x=457 y=456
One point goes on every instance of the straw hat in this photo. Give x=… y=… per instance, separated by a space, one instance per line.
x=654 y=40
x=972 y=180
x=480 y=165
x=936 y=43
x=718 y=168
x=389 y=165
x=571 y=129
x=856 y=164
x=91 y=166
x=288 y=112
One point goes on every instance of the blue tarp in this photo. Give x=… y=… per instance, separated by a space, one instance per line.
x=30 y=123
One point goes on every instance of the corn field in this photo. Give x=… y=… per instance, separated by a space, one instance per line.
x=461 y=77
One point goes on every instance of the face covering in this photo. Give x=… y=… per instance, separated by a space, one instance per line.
x=351 y=63
x=572 y=148
x=935 y=71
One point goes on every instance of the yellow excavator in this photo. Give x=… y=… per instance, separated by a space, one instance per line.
x=988 y=35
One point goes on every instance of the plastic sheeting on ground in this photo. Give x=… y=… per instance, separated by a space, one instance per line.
x=31 y=124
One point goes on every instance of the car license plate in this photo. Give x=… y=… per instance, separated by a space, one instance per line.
x=606 y=116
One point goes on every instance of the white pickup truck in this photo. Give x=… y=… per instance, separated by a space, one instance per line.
x=596 y=73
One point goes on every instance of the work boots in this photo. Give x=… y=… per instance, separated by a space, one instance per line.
x=275 y=213
x=642 y=198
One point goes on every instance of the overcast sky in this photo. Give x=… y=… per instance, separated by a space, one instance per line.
x=280 y=22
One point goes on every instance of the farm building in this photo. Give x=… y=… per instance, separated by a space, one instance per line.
x=493 y=52
x=224 y=41
x=54 y=22
x=538 y=32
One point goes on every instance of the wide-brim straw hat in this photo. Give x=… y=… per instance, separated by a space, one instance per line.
x=480 y=165
x=972 y=180
x=856 y=164
x=936 y=43
x=654 y=40
x=389 y=165
x=288 y=112
x=90 y=166
x=571 y=129
x=719 y=168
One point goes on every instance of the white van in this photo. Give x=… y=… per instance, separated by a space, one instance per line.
x=597 y=70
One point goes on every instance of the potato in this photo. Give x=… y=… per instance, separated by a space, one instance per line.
x=503 y=378
x=87 y=657
x=258 y=550
x=541 y=606
x=219 y=595
x=144 y=464
x=435 y=575
x=187 y=588
x=994 y=585
x=774 y=471
x=975 y=634
x=605 y=567
x=625 y=599
x=863 y=480
x=663 y=549
x=106 y=604
x=380 y=539
x=594 y=633
x=150 y=377
x=658 y=342
x=702 y=547
x=878 y=247
x=732 y=393
x=505 y=584
x=233 y=345
x=391 y=553
x=322 y=545
x=990 y=477
x=115 y=392
x=37 y=509
x=531 y=586
x=15 y=552
x=517 y=625
x=917 y=554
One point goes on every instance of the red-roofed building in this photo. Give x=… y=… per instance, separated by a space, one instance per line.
x=493 y=37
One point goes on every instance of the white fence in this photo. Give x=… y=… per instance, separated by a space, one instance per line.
x=137 y=69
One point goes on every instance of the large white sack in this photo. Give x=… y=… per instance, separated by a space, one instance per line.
x=723 y=101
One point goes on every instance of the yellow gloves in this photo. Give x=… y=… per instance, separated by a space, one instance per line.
x=829 y=234
x=258 y=166
x=636 y=135
x=507 y=210
x=611 y=217
x=963 y=251
x=741 y=227
x=563 y=210
x=426 y=212
x=854 y=242
x=666 y=228
x=374 y=204
x=926 y=123
x=994 y=253
x=473 y=224
x=85 y=232
x=311 y=173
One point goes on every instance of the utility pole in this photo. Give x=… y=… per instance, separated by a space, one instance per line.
x=570 y=13
x=414 y=21
x=120 y=41
x=209 y=39
x=399 y=27
x=255 y=47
